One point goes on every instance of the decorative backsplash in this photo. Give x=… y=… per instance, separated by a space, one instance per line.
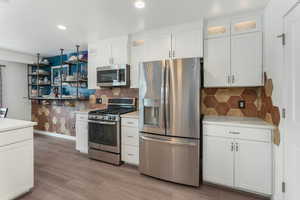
x=224 y=102
x=60 y=118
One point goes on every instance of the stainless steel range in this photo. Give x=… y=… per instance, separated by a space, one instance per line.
x=105 y=130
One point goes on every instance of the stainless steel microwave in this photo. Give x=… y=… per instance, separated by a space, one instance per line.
x=113 y=76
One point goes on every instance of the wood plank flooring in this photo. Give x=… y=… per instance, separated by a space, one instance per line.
x=61 y=173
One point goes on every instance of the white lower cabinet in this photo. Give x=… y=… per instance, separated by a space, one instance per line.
x=237 y=157
x=218 y=160
x=130 y=141
x=82 y=133
x=253 y=166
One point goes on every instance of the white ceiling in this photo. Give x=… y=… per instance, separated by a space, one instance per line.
x=30 y=25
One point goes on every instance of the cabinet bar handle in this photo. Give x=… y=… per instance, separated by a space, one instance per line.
x=235 y=133
x=236 y=147
x=173 y=53
x=228 y=80
x=233 y=79
x=232 y=146
x=170 y=54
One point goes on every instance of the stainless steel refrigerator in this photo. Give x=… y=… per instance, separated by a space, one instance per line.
x=170 y=120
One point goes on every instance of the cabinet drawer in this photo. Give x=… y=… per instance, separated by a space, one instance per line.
x=130 y=122
x=15 y=136
x=130 y=136
x=263 y=135
x=130 y=154
x=82 y=117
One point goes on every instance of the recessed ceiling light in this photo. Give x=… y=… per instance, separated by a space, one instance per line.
x=139 y=4
x=61 y=27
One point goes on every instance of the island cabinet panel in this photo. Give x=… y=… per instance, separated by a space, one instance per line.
x=16 y=158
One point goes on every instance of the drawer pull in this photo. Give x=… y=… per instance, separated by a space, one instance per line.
x=130 y=154
x=235 y=133
x=129 y=136
x=129 y=122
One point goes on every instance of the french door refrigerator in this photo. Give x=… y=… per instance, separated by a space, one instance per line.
x=170 y=120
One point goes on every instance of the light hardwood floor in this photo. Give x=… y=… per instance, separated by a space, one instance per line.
x=61 y=173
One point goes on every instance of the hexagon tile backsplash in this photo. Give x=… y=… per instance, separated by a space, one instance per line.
x=224 y=102
x=59 y=118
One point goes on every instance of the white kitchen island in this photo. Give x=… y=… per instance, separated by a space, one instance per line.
x=16 y=158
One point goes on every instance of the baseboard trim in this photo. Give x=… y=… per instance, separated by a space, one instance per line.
x=67 y=137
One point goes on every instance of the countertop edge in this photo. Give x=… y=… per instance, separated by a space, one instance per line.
x=25 y=124
x=211 y=121
x=132 y=115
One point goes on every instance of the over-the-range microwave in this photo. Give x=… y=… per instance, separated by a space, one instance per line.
x=113 y=76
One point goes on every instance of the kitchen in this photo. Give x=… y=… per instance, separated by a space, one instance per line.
x=141 y=104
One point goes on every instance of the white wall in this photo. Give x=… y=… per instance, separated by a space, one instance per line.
x=273 y=63
x=14 y=90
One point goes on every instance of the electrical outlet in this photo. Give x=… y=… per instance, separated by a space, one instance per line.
x=99 y=101
x=242 y=104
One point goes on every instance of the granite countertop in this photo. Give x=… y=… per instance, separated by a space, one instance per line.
x=134 y=115
x=13 y=124
x=251 y=122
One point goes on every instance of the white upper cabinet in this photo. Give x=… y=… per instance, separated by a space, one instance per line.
x=120 y=50
x=137 y=47
x=157 y=46
x=246 y=25
x=233 y=52
x=92 y=65
x=246 y=60
x=217 y=62
x=181 y=41
x=187 y=44
x=217 y=28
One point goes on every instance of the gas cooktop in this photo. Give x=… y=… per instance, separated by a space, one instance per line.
x=116 y=107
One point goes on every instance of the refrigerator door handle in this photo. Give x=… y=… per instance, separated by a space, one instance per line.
x=167 y=141
x=167 y=94
x=162 y=118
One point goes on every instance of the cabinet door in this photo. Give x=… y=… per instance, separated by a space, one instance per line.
x=137 y=49
x=16 y=169
x=92 y=65
x=82 y=136
x=119 y=50
x=104 y=54
x=217 y=62
x=217 y=28
x=218 y=160
x=157 y=47
x=187 y=44
x=253 y=167
x=246 y=25
x=246 y=60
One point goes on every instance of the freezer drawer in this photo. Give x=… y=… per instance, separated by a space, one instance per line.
x=172 y=159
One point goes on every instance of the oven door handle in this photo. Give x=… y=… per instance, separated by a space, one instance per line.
x=104 y=123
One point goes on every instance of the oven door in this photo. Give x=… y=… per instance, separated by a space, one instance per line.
x=104 y=135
